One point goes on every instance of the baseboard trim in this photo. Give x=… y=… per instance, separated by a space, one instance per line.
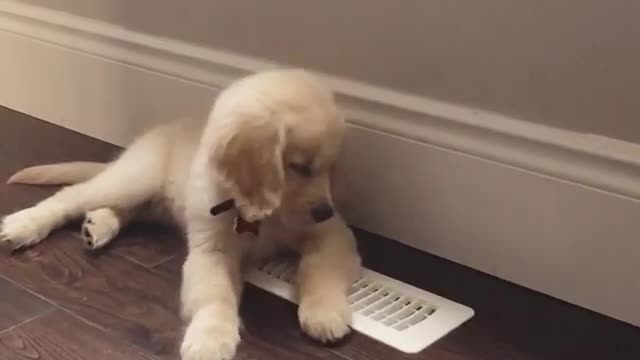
x=524 y=202
x=603 y=163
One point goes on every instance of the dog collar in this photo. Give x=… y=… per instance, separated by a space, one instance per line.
x=222 y=207
x=240 y=225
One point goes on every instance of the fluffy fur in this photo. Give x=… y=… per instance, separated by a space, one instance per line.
x=270 y=143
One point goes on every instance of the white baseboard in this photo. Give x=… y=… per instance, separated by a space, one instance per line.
x=549 y=209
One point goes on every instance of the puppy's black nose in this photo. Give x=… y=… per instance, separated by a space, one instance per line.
x=321 y=212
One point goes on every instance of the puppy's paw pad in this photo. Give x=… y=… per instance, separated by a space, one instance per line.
x=24 y=228
x=211 y=343
x=99 y=228
x=325 y=319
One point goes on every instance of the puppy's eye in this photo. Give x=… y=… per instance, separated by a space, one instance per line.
x=301 y=169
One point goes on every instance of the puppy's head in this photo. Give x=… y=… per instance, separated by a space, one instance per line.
x=276 y=136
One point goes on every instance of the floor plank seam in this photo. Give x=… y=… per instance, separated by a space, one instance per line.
x=114 y=335
x=108 y=332
x=151 y=269
x=35 y=317
x=338 y=353
x=132 y=260
x=30 y=291
x=54 y=304
x=162 y=261
x=88 y=322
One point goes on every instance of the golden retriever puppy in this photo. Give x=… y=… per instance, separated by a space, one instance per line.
x=269 y=144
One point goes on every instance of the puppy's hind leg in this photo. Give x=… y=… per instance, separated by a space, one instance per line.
x=102 y=225
x=127 y=183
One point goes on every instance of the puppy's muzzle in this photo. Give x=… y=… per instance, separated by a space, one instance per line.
x=322 y=212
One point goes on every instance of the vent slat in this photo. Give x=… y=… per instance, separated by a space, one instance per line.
x=385 y=301
x=289 y=274
x=373 y=303
x=279 y=269
x=414 y=319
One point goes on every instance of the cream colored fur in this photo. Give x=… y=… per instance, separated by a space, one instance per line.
x=260 y=131
x=57 y=174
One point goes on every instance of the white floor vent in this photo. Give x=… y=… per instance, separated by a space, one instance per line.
x=392 y=312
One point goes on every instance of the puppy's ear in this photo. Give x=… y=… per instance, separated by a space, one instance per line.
x=248 y=158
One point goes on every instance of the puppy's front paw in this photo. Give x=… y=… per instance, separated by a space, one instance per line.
x=24 y=228
x=325 y=318
x=208 y=340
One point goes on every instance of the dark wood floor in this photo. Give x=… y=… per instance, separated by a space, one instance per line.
x=58 y=302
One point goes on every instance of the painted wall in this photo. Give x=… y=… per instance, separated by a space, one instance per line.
x=571 y=64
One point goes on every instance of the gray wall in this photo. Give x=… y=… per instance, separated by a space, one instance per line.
x=567 y=63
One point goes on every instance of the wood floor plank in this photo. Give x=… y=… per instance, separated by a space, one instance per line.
x=18 y=305
x=149 y=244
x=114 y=293
x=59 y=336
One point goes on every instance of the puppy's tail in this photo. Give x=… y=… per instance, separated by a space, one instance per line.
x=57 y=174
